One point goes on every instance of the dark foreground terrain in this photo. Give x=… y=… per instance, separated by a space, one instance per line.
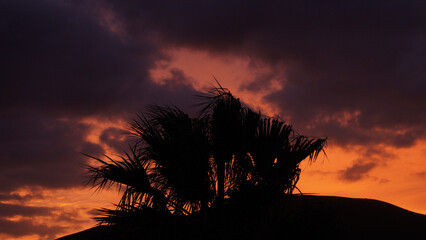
x=317 y=217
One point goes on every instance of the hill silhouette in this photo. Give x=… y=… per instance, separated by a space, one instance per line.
x=306 y=216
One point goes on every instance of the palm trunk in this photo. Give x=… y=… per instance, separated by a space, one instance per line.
x=220 y=196
x=220 y=182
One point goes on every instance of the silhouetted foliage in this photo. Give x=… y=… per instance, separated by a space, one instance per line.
x=228 y=156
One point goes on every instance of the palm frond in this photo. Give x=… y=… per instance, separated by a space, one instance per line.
x=180 y=165
x=180 y=148
x=303 y=147
x=129 y=173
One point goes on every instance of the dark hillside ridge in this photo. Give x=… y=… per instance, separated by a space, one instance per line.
x=369 y=219
x=307 y=216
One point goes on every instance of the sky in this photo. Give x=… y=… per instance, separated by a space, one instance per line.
x=73 y=74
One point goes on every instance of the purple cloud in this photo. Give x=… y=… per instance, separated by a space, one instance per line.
x=60 y=65
x=39 y=151
x=353 y=71
x=361 y=58
x=27 y=227
x=357 y=171
x=59 y=60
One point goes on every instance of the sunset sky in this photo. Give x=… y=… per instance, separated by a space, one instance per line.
x=74 y=73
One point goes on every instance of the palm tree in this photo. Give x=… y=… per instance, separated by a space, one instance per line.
x=181 y=165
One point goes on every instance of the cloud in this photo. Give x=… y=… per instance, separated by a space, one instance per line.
x=420 y=174
x=27 y=227
x=357 y=171
x=39 y=151
x=369 y=158
x=18 y=220
x=19 y=198
x=72 y=217
x=353 y=71
x=364 y=59
x=60 y=60
x=60 y=65
x=10 y=210
x=116 y=138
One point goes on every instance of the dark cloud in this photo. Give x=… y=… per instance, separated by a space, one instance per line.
x=38 y=151
x=420 y=174
x=60 y=64
x=60 y=60
x=360 y=58
x=19 y=198
x=18 y=220
x=10 y=210
x=357 y=171
x=25 y=227
x=94 y=212
x=370 y=157
x=116 y=138
x=353 y=71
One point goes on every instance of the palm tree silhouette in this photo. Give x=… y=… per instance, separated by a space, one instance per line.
x=181 y=165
